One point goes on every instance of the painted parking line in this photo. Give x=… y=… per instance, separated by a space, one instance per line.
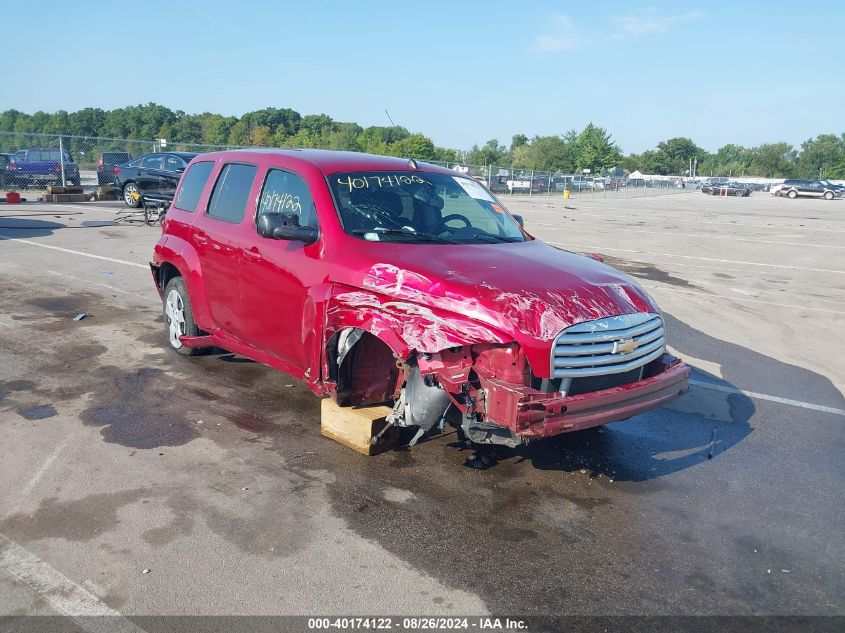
x=73 y=252
x=60 y=592
x=709 y=222
x=708 y=259
x=764 y=396
x=732 y=238
x=702 y=296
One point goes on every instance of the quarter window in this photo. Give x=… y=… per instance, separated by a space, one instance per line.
x=231 y=192
x=192 y=185
x=286 y=192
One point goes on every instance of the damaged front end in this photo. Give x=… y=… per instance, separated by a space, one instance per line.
x=426 y=362
x=502 y=401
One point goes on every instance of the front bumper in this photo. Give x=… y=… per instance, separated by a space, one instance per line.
x=531 y=414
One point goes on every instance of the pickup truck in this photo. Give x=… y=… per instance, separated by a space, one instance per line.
x=40 y=167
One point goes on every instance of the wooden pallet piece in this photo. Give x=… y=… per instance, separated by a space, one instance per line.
x=355 y=427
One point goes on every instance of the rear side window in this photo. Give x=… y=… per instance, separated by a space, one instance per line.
x=173 y=163
x=231 y=191
x=192 y=185
x=153 y=162
x=286 y=192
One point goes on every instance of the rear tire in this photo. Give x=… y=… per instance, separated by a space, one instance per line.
x=179 y=317
x=792 y=195
x=739 y=193
x=128 y=199
x=828 y=195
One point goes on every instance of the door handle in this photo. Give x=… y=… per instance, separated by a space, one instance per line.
x=200 y=239
x=253 y=255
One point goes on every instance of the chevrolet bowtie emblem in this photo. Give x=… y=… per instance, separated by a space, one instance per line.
x=625 y=346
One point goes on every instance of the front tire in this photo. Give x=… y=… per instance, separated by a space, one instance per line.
x=828 y=195
x=792 y=195
x=739 y=193
x=129 y=199
x=179 y=317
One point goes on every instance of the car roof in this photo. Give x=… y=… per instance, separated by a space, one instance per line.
x=332 y=161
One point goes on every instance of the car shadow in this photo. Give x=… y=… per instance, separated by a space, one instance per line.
x=697 y=427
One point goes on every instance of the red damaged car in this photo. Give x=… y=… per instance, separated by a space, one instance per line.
x=381 y=279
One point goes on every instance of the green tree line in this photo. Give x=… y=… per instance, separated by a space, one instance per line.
x=592 y=148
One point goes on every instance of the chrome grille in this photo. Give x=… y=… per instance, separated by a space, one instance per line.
x=608 y=346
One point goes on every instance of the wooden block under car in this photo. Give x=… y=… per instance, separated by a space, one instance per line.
x=55 y=189
x=355 y=427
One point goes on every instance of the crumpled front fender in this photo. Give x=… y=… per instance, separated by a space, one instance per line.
x=404 y=326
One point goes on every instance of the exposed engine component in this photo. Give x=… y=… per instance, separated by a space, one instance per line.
x=420 y=404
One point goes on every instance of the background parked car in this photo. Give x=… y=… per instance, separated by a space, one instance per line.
x=152 y=175
x=105 y=166
x=794 y=188
x=40 y=167
x=840 y=189
x=729 y=188
x=5 y=160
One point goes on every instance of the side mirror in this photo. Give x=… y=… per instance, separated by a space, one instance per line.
x=519 y=220
x=285 y=226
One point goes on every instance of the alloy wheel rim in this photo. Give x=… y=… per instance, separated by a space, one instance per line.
x=127 y=194
x=175 y=311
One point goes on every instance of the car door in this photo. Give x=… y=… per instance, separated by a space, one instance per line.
x=277 y=275
x=149 y=174
x=817 y=188
x=806 y=188
x=218 y=236
x=174 y=167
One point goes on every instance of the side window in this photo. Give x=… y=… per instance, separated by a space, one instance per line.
x=286 y=192
x=192 y=185
x=231 y=191
x=173 y=163
x=152 y=162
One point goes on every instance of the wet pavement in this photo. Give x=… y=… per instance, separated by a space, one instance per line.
x=119 y=456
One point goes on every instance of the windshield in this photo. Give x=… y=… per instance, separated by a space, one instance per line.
x=420 y=207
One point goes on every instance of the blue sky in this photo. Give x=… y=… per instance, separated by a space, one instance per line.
x=461 y=72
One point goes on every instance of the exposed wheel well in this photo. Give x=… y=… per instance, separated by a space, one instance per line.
x=363 y=367
x=166 y=272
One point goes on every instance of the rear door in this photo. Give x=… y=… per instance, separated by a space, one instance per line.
x=218 y=237
x=149 y=174
x=173 y=169
x=808 y=188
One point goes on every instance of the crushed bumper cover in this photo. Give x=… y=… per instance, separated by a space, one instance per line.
x=531 y=414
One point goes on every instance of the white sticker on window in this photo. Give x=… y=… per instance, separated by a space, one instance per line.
x=474 y=189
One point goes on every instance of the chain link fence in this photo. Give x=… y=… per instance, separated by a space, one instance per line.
x=32 y=162
x=35 y=161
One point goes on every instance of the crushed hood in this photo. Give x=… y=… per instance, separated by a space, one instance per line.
x=530 y=290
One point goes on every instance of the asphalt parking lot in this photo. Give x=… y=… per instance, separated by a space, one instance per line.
x=119 y=456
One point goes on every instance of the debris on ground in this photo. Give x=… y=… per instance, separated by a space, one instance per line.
x=146 y=571
x=712 y=446
x=481 y=460
x=80 y=316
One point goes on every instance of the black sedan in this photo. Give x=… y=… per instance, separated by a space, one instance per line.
x=737 y=189
x=154 y=176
